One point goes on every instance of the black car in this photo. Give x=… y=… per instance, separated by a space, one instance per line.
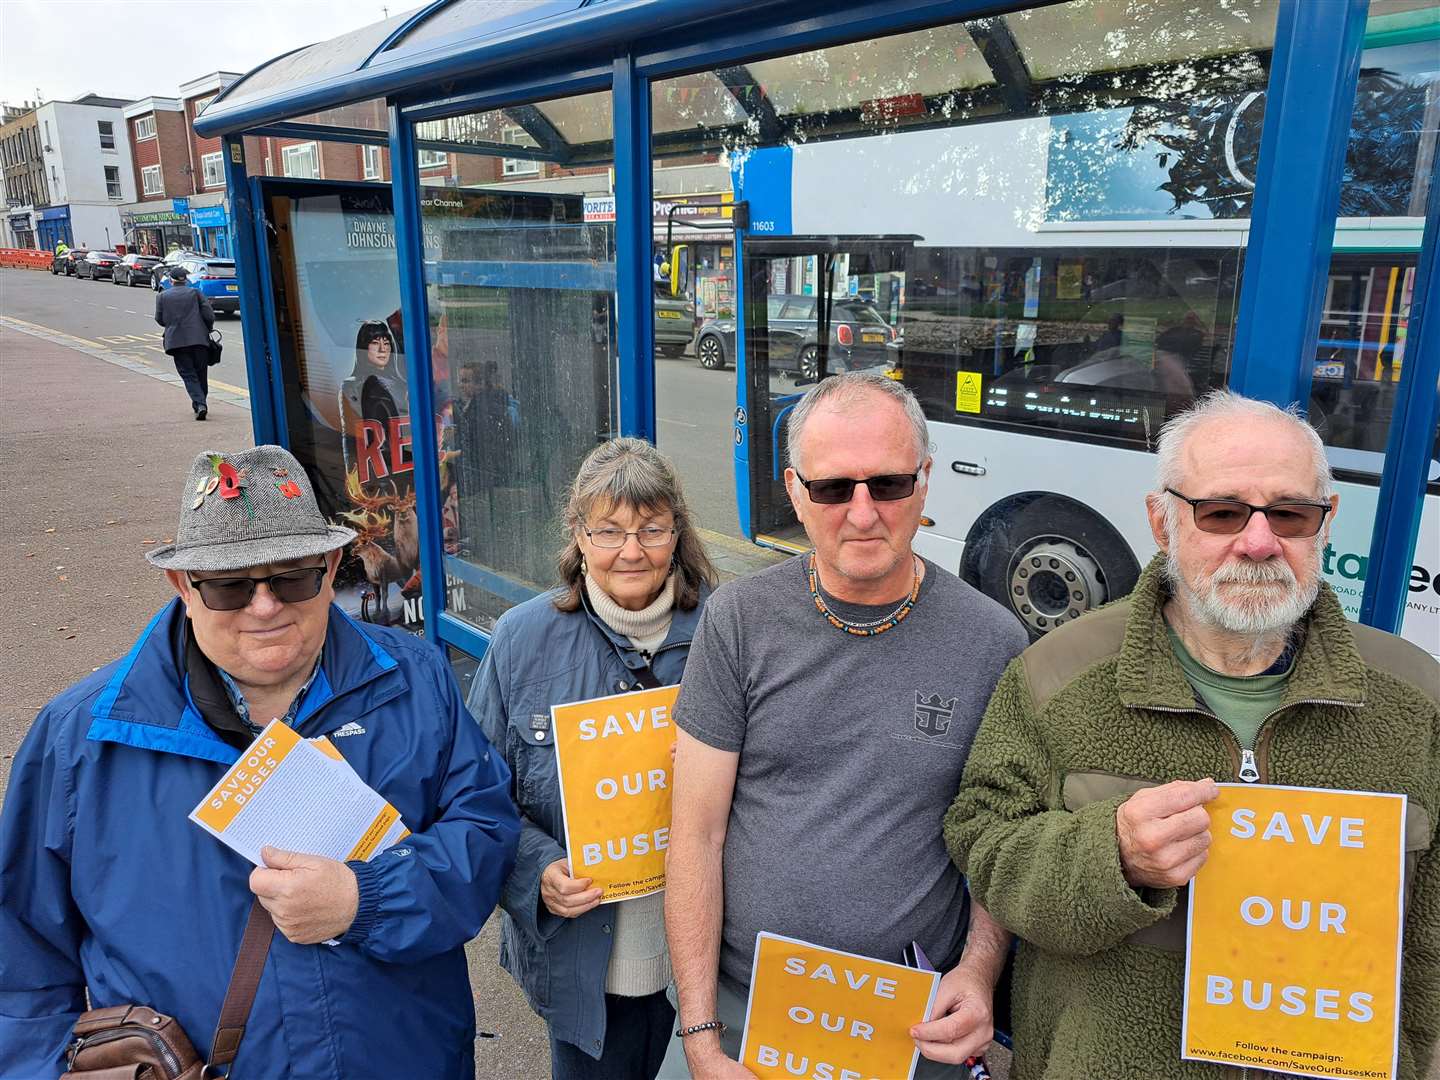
x=96 y=265
x=859 y=337
x=134 y=269
x=65 y=264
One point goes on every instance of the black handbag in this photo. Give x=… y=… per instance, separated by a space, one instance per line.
x=214 y=345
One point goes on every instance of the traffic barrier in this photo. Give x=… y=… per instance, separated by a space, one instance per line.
x=26 y=258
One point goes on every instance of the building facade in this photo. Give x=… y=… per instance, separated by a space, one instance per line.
x=26 y=191
x=89 y=169
x=159 y=139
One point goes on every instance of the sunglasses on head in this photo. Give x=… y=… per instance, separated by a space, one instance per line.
x=841 y=489
x=1291 y=519
x=234 y=593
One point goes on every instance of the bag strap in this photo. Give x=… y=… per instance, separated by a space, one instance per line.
x=244 y=981
x=646 y=677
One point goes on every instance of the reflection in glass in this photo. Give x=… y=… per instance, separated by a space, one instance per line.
x=520 y=277
x=1366 y=317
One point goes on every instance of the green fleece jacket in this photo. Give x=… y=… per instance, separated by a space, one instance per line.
x=1100 y=708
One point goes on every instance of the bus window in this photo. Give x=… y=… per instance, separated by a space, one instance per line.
x=520 y=287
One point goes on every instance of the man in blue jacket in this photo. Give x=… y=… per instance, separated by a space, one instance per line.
x=106 y=887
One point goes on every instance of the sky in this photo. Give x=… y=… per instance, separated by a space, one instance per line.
x=142 y=48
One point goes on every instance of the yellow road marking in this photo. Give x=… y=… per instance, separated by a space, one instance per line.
x=98 y=345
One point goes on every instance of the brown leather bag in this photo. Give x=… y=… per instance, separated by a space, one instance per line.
x=134 y=1042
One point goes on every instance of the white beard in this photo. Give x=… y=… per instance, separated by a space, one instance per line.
x=1260 y=610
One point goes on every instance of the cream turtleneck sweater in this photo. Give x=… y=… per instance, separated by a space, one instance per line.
x=639 y=960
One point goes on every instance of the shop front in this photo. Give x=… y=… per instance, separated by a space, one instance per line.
x=53 y=226
x=211 y=226
x=22 y=231
x=154 y=232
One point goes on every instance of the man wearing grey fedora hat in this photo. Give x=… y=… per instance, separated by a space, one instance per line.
x=108 y=890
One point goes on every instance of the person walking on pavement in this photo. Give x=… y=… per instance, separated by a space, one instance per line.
x=187 y=317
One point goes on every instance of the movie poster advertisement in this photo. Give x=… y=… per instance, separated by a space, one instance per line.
x=346 y=395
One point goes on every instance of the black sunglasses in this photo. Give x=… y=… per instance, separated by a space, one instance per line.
x=1226 y=517
x=840 y=489
x=234 y=593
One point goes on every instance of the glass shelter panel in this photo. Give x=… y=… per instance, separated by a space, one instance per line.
x=1036 y=221
x=1365 y=322
x=334 y=288
x=520 y=282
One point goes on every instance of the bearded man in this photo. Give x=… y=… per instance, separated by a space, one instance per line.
x=1081 y=817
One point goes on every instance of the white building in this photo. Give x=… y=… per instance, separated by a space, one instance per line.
x=89 y=171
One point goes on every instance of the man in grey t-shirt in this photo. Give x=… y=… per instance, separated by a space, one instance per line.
x=825 y=716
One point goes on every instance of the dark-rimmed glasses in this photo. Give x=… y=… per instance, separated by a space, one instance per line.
x=234 y=593
x=1291 y=519
x=651 y=536
x=890 y=487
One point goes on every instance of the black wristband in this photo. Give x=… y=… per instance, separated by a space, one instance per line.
x=695 y=1029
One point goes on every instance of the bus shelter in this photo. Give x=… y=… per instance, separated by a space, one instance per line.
x=506 y=231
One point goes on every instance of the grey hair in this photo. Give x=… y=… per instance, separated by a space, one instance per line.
x=1228 y=405
x=847 y=391
x=630 y=473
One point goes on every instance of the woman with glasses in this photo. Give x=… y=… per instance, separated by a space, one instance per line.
x=633 y=577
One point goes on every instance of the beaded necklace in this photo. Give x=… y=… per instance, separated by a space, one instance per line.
x=862 y=629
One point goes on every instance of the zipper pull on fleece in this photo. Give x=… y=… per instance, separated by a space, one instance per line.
x=1248 y=770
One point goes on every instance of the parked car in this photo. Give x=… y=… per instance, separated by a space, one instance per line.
x=97 y=265
x=65 y=264
x=674 y=323
x=213 y=277
x=859 y=337
x=134 y=269
x=173 y=258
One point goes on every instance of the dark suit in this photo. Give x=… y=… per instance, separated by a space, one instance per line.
x=187 y=317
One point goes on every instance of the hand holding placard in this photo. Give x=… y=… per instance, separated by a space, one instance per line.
x=817 y=1012
x=1164 y=833
x=1293 y=956
x=615 y=758
x=565 y=896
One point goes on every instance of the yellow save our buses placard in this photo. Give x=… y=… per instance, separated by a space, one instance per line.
x=613 y=756
x=830 y=1015
x=1295 y=926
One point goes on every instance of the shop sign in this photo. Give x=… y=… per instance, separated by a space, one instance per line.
x=55 y=213
x=154 y=217
x=180 y=206
x=209 y=217
x=599 y=208
x=20 y=221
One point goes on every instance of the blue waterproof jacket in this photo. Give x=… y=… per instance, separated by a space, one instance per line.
x=540 y=657
x=106 y=884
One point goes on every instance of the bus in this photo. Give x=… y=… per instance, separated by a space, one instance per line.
x=1055 y=301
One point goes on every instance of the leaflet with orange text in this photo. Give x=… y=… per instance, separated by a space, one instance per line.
x=300 y=795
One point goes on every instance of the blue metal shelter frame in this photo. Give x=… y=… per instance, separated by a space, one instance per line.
x=493 y=57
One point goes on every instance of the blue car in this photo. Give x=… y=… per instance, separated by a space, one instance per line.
x=213 y=277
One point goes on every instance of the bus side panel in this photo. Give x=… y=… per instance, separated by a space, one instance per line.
x=1016 y=463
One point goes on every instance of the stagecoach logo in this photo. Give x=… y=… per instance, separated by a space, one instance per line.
x=933 y=714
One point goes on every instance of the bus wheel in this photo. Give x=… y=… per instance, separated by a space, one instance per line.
x=1053 y=561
